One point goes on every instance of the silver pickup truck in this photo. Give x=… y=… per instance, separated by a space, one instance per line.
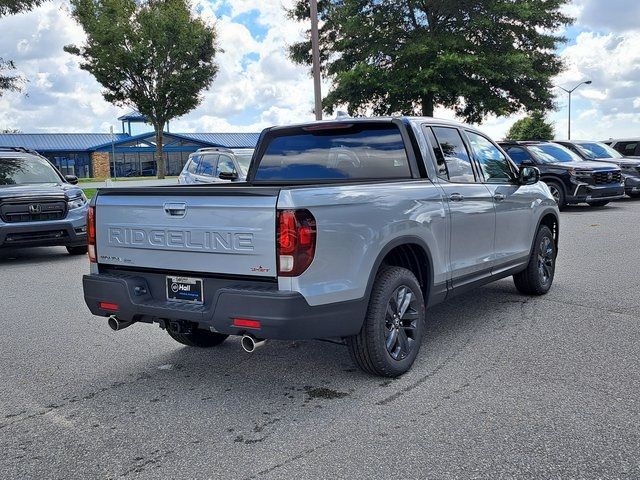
x=346 y=230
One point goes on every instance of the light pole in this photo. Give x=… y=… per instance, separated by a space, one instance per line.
x=315 y=53
x=587 y=82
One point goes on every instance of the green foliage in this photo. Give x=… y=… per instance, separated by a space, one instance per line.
x=10 y=7
x=533 y=127
x=10 y=82
x=408 y=56
x=151 y=55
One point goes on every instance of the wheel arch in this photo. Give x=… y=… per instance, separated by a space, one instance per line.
x=409 y=252
x=549 y=219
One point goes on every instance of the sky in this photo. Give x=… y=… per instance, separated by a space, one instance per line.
x=259 y=86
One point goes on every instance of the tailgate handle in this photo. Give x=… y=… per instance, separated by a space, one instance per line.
x=178 y=210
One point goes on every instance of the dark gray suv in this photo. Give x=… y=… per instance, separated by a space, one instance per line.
x=39 y=206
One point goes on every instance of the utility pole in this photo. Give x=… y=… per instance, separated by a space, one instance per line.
x=587 y=82
x=315 y=52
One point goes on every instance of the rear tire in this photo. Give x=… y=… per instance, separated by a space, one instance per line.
x=81 y=250
x=558 y=193
x=393 y=328
x=198 y=338
x=598 y=204
x=537 y=278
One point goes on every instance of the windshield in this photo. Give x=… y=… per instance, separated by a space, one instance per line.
x=23 y=171
x=600 y=150
x=344 y=152
x=551 y=153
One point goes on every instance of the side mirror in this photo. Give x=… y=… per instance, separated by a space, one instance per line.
x=72 y=179
x=529 y=176
x=228 y=176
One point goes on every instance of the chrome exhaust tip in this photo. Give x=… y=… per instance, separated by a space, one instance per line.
x=116 y=325
x=249 y=343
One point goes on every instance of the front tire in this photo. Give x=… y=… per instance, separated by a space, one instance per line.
x=81 y=250
x=538 y=277
x=390 y=338
x=557 y=191
x=598 y=204
x=198 y=338
x=634 y=195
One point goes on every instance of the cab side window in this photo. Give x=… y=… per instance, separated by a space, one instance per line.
x=208 y=165
x=494 y=164
x=456 y=156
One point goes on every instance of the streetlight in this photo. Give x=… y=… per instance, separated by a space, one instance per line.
x=587 y=82
x=315 y=53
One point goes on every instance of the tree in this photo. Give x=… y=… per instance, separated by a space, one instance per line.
x=152 y=55
x=533 y=127
x=9 y=82
x=408 y=56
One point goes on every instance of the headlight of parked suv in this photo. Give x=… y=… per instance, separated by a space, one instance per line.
x=580 y=173
x=77 y=202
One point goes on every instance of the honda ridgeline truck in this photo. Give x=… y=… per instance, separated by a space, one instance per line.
x=347 y=229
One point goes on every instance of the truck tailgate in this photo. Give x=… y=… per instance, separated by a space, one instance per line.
x=219 y=230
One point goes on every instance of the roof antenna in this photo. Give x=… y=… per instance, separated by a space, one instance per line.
x=342 y=115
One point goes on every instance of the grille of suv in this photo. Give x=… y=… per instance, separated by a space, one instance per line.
x=33 y=211
x=603 y=178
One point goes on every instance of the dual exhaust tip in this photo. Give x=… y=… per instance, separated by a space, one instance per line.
x=249 y=342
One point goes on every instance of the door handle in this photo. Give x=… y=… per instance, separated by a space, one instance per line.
x=178 y=210
x=499 y=197
x=456 y=197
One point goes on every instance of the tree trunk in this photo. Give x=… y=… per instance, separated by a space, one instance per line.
x=160 y=167
x=427 y=105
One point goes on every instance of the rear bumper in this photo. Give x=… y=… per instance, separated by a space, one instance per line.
x=43 y=234
x=282 y=315
x=587 y=193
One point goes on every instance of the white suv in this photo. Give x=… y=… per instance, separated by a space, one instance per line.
x=214 y=165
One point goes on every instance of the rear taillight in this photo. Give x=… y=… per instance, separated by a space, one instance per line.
x=296 y=237
x=91 y=234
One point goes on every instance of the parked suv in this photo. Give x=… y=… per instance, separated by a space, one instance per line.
x=38 y=206
x=629 y=147
x=570 y=179
x=214 y=165
x=346 y=229
x=600 y=152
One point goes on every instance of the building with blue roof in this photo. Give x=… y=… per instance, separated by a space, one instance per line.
x=92 y=154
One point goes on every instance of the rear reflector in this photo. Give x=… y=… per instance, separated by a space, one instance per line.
x=244 y=323
x=112 y=307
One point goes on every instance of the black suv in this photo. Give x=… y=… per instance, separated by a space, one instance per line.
x=39 y=206
x=570 y=179
x=601 y=152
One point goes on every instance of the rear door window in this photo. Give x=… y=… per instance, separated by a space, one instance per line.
x=208 y=165
x=346 y=152
x=455 y=155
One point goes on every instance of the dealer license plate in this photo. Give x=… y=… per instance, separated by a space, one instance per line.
x=185 y=289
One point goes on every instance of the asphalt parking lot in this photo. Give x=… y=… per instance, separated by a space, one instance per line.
x=505 y=386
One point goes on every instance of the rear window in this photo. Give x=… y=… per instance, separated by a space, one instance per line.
x=351 y=152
